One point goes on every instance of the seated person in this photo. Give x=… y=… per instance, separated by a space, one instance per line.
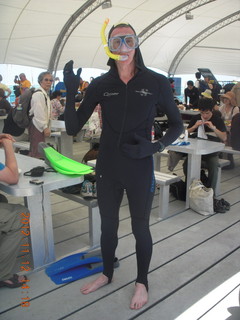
x=57 y=109
x=235 y=132
x=10 y=220
x=228 y=110
x=207 y=125
x=60 y=86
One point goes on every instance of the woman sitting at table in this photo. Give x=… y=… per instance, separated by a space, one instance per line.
x=229 y=107
x=11 y=216
x=228 y=111
x=209 y=126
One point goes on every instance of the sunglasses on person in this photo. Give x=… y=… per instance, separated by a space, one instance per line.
x=131 y=41
x=50 y=80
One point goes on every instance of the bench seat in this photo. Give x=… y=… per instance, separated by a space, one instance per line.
x=164 y=180
x=157 y=159
x=230 y=151
x=93 y=215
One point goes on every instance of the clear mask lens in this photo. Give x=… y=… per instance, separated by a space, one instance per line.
x=130 y=41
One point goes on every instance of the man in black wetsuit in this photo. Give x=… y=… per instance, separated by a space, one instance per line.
x=128 y=95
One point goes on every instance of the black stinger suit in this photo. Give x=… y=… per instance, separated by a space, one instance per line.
x=127 y=109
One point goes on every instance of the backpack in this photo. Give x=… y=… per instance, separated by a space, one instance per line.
x=178 y=190
x=20 y=113
x=91 y=154
x=10 y=126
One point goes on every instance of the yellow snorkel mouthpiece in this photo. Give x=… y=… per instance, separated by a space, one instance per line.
x=105 y=44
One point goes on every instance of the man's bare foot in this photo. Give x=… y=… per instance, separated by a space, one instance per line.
x=140 y=297
x=101 y=281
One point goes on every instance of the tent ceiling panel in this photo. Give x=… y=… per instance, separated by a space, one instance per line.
x=29 y=29
x=201 y=57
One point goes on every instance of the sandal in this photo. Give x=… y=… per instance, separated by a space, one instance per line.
x=15 y=282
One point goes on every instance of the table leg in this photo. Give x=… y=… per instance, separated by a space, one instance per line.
x=41 y=230
x=193 y=172
x=65 y=146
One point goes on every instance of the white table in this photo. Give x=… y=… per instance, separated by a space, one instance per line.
x=195 y=150
x=37 y=199
x=65 y=142
x=2 y=118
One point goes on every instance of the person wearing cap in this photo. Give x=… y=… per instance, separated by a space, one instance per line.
x=4 y=104
x=5 y=87
x=229 y=107
x=60 y=86
x=128 y=94
x=214 y=86
x=207 y=94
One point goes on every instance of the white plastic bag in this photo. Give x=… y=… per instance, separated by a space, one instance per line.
x=201 y=198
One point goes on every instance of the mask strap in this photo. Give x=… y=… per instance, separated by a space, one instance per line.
x=105 y=45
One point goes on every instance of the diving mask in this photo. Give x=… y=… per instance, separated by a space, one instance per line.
x=129 y=40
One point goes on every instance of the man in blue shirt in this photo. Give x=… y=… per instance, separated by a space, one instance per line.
x=60 y=86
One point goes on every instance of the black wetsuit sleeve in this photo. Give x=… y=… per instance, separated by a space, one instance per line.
x=168 y=105
x=75 y=120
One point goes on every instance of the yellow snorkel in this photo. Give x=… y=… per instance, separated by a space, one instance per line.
x=105 y=44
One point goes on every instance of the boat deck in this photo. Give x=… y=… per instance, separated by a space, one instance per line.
x=192 y=256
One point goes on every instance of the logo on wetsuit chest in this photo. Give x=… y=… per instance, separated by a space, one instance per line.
x=143 y=92
x=109 y=94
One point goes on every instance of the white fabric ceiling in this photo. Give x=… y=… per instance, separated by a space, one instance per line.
x=29 y=29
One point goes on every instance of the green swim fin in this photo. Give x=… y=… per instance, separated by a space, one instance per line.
x=61 y=163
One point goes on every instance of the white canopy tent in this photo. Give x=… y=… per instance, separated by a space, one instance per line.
x=46 y=34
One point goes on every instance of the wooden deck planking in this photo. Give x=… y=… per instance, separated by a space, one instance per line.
x=186 y=247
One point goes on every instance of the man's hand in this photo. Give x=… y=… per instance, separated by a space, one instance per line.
x=70 y=79
x=197 y=124
x=209 y=124
x=142 y=148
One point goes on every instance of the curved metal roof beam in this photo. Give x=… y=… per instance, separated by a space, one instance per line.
x=201 y=36
x=13 y=28
x=85 y=10
x=170 y=16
